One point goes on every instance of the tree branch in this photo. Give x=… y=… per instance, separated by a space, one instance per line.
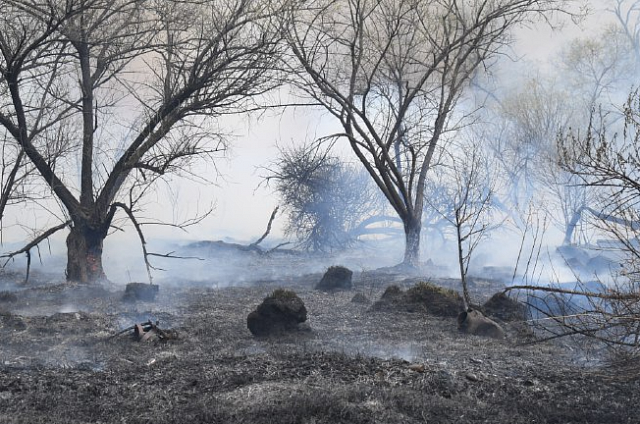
x=27 y=249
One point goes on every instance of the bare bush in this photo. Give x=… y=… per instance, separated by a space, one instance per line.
x=606 y=309
x=330 y=203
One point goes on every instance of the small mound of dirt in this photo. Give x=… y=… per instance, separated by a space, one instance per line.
x=392 y=293
x=336 y=278
x=504 y=308
x=423 y=297
x=279 y=312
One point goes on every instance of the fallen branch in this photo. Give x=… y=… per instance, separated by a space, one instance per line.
x=609 y=296
x=170 y=255
x=27 y=249
x=278 y=247
x=266 y=233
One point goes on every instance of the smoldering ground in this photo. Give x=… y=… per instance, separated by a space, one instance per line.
x=353 y=364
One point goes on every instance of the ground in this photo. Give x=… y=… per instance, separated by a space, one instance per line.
x=62 y=360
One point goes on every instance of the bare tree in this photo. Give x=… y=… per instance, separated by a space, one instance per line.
x=627 y=13
x=470 y=185
x=523 y=127
x=609 y=163
x=596 y=67
x=391 y=72
x=128 y=84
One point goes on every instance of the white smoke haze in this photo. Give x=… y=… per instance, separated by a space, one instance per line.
x=242 y=203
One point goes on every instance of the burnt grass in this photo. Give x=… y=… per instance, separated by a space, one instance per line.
x=62 y=360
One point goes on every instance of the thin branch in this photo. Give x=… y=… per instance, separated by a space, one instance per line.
x=268 y=230
x=143 y=242
x=609 y=296
x=27 y=249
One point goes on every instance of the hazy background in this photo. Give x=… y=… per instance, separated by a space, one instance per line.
x=242 y=202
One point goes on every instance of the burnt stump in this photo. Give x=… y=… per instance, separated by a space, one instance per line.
x=422 y=297
x=140 y=291
x=505 y=308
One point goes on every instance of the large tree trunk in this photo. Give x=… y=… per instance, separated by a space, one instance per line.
x=412 y=229
x=84 y=254
x=571 y=226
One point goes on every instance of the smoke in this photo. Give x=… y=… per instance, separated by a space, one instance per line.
x=242 y=207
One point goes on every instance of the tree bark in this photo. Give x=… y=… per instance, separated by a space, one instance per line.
x=84 y=254
x=466 y=298
x=412 y=229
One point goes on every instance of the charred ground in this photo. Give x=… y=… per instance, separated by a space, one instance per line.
x=62 y=361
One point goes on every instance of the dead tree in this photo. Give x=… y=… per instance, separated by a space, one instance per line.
x=391 y=73
x=468 y=192
x=627 y=13
x=608 y=163
x=138 y=80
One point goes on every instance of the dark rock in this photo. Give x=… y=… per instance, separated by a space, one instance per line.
x=505 y=308
x=336 y=278
x=279 y=312
x=140 y=291
x=473 y=322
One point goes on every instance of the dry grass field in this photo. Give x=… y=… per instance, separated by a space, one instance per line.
x=62 y=360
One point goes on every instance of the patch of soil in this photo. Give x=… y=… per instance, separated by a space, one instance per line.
x=357 y=366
